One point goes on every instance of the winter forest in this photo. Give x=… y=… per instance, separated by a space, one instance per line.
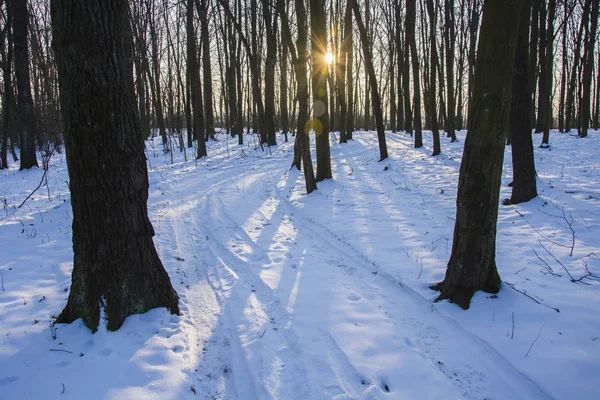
x=299 y=199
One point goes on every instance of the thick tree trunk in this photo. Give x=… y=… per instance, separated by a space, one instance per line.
x=524 y=185
x=116 y=267
x=472 y=264
x=320 y=122
x=27 y=121
x=410 y=37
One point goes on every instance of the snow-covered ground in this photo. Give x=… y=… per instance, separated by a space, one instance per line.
x=288 y=296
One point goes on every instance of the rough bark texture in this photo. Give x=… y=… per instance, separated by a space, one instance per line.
x=524 y=184
x=472 y=264
x=27 y=131
x=116 y=266
x=320 y=121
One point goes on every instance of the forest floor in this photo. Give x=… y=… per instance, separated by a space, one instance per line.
x=289 y=296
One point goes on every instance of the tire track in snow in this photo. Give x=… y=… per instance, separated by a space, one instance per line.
x=470 y=378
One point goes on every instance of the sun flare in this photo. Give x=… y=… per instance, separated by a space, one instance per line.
x=329 y=58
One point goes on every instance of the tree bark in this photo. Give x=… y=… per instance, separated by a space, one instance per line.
x=450 y=42
x=524 y=184
x=27 y=121
x=588 y=68
x=116 y=267
x=193 y=70
x=410 y=37
x=320 y=121
x=472 y=264
x=209 y=119
x=433 y=82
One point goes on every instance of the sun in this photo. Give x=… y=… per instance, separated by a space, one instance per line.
x=329 y=58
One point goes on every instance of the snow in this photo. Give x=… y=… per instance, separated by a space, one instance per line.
x=325 y=296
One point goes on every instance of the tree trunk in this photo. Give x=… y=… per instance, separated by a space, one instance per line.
x=563 y=79
x=588 y=67
x=193 y=69
x=376 y=102
x=320 y=122
x=433 y=85
x=472 y=264
x=341 y=83
x=7 y=54
x=283 y=90
x=209 y=119
x=410 y=37
x=155 y=81
x=116 y=267
x=524 y=185
x=348 y=35
x=572 y=88
x=269 y=82
x=450 y=41
x=27 y=122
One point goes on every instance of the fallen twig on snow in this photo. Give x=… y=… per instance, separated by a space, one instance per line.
x=512 y=286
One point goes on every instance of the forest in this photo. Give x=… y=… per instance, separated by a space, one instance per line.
x=307 y=199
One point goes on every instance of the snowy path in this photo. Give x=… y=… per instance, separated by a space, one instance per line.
x=297 y=312
x=289 y=296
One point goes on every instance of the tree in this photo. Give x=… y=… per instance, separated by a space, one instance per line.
x=27 y=122
x=116 y=267
x=193 y=71
x=450 y=43
x=524 y=184
x=588 y=67
x=472 y=264
x=320 y=121
x=206 y=69
x=433 y=83
x=375 y=99
x=410 y=37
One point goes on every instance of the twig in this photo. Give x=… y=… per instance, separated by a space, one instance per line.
x=34 y=190
x=547 y=238
x=536 y=339
x=512 y=335
x=562 y=265
x=547 y=266
x=421 y=271
x=66 y=351
x=263 y=334
x=510 y=285
x=63 y=391
x=392 y=181
x=517 y=211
